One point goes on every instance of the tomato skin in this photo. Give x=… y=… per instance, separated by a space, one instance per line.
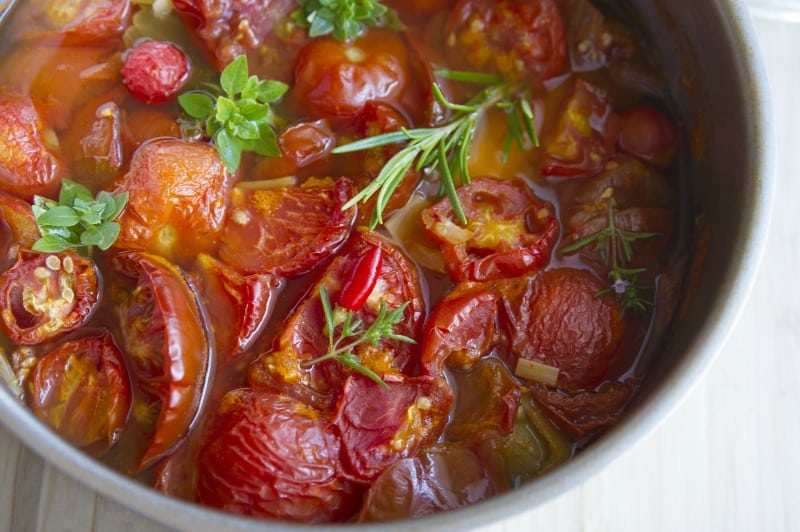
x=239 y=306
x=302 y=337
x=594 y=42
x=269 y=455
x=517 y=39
x=380 y=426
x=178 y=199
x=46 y=295
x=82 y=390
x=583 y=413
x=335 y=79
x=509 y=231
x=165 y=341
x=27 y=166
x=417 y=10
x=18 y=229
x=76 y=23
x=286 y=231
x=555 y=318
x=155 y=71
x=647 y=133
x=585 y=134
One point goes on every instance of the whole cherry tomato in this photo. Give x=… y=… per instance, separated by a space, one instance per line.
x=238 y=306
x=509 y=232
x=286 y=231
x=178 y=199
x=585 y=134
x=379 y=426
x=648 y=134
x=303 y=338
x=46 y=295
x=334 y=78
x=268 y=455
x=82 y=390
x=519 y=39
x=18 y=229
x=165 y=341
x=76 y=23
x=155 y=71
x=442 y=477
x=28 y=166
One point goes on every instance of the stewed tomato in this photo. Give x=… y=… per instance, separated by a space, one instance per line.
x=286 y=231
x=28 y=165
x=334 y=78
x=509 y=232
x=303 y=339
x=178 y=199
x=521 y=40
x=18 y=228
x=81 y=389
x=648 y=134
x=585 y=412
x=46 y=295
x=81 y=22
x=165 y=342
x=268 y=455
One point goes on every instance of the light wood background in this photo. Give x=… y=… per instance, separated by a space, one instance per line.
x=727 y=460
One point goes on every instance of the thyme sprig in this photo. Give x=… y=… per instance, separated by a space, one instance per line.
x=445 y=148
x=615 y=248
x=352 y=334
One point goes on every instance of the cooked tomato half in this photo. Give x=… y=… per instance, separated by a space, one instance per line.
x=178 y=199
x=269 y=455
x=585 y=135
x=303 y=338
x=18 y=228
x=583 y=413
x=165 y=341
x=334 y=78
x=81 y=389
x=648 y=134
x=509 y=232
x=380 y=426
x=27 y=165
x=46 y=295
x=594 y=41
x=81 y=22
x=517 y=39
x=239 y=306
x=286 y=231
x=442 y=477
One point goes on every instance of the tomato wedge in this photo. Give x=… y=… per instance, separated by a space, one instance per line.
x=82 y=390
x=165 y=341
x=18 y=228
x=46 y=295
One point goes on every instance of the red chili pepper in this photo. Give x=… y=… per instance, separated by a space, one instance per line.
x=365 y=277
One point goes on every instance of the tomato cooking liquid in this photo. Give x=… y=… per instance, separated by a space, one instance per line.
x=290 y=269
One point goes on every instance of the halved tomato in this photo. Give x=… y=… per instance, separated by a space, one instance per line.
x=583 y=413
x=165 y=341
x=18 y=228
x=46 y=295
x=80 y=22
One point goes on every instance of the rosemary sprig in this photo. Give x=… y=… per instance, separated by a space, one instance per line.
x=445 y=148
x=615 y=247
x=352 y=334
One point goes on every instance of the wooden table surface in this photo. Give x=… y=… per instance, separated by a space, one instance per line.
x=728 y=459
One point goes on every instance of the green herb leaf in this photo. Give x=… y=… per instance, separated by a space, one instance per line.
x=77 y=220
x=234 y=77
x=344 y=19
x=197 y=104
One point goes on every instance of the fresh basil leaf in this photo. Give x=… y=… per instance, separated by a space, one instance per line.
x=120 y=200
x=229 y=149
x=70 y=191
x=226 y=109
x=270 y=91
x=50 y=244
x=246 y=130
x=268 y=147
x=59 y=216
x=197 y=104
x=234 y=76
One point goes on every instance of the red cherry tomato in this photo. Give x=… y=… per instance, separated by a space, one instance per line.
x=18 y=229
x=178 y=199
x=334 y=78
x=79 y=23
x=517 y=39
x=584 y=413
x=380 y=426
x=441 y=478
x=81 y=389
x=594 y=41
x=306 y=142
x=585 y=134
x=303 y=339
x=46 y=295
x=556 y=318
x=155 y=71
x=286 y=231
x=165 y=341
x=27 y=165
x=647 y=133
x=509 y=232
x=238 y=306
x=268 y=455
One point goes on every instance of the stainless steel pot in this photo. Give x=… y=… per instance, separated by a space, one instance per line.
x=720 y=88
